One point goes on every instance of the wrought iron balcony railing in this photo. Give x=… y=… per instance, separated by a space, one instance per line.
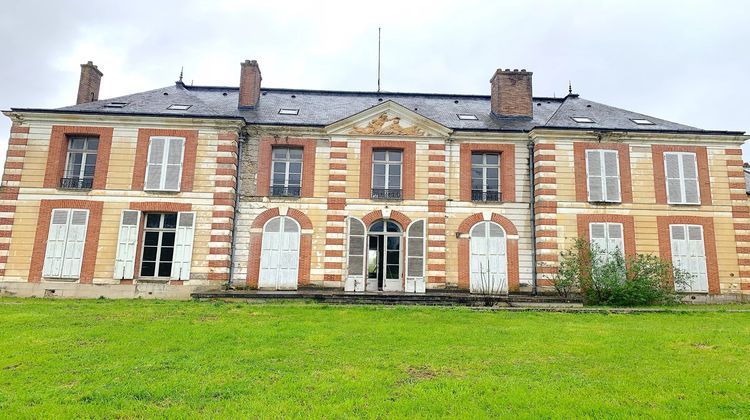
x=479 y=195
x=282 y=191
x=386 y=194
x=76 y=183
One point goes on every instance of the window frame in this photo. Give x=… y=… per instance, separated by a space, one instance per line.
x=287 y=160
x=603 y=176
x=607 y=251
x=161 y=230
x=165 y=163
x=80 y=178
x=65 y=243
x=687 y=227
x=682 y=178
x=484 y=166
x=387 y=175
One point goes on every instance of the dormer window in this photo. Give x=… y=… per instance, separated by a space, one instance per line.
x=467 y=117
x=116 y=105
x=583 y=120
x=178 y=107
x=289 y=111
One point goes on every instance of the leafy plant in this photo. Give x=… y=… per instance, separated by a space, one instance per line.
x=610 y=279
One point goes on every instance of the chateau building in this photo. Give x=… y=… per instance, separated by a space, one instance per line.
x=163 y=192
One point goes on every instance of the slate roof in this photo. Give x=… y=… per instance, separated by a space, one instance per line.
x=320 y=108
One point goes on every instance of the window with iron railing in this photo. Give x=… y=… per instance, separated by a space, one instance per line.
x=485 y=177
x=286 y=176
x=386 y=174
x=81 y=163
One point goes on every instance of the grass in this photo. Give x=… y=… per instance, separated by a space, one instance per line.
x=104 y=358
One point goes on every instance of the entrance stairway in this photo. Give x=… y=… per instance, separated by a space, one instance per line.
x=430 y=298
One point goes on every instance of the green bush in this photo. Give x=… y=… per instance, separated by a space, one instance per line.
x=614 y=280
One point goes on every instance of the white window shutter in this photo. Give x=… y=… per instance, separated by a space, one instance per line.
x=356 y=249
x=173 y=169
x=612 y=175
x=598 y=236
x=183 y=246
x=75 y=243
x=58 y=232
x=155 y=164
x=415 y=257
x=615 y=238
x=594 y=175
x=127 y=243
x=689 y=254
x=690 y=178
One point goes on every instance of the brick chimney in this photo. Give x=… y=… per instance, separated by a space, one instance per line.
x=249 y=84
x=88 y=86
x=511 y=93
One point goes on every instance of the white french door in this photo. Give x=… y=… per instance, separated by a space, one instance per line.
x=689 y=254
x=279 y=258
x=488 y=265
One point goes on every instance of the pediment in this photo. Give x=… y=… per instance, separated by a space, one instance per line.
x=388 y=119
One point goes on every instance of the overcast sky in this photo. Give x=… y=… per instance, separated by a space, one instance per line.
x=685 y=61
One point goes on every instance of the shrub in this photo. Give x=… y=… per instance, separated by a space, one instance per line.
x=611 y=279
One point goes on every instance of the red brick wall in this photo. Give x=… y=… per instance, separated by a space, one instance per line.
x=58 y=152
x=704 y=177
x=42 y=232
x=407 y=173
x=579 y=159
x=709 y=241
x=265 y=148
x=188 y=161
x=507 y=171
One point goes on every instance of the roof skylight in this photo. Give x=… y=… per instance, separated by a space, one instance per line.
x=467 y=117
x=116 y=105
x=178 y=107
x=642 y=121
x=289 y=111
x=582 y=120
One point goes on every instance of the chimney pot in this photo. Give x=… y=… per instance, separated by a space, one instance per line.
x=511 y=93
x=250 y=79
x=88 y=85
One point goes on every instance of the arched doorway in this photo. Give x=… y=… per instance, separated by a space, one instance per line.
x=384 y=256
x=279 y=257
x=489 y=266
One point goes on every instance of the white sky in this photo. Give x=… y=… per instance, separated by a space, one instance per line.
x=684 y=61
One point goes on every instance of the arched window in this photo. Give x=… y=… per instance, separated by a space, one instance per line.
x=385 y=226
x=489 y=268
x=279 y=258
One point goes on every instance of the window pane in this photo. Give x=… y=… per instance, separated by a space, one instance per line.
x=77 y=143
x=165 y=269
x=476 y=184
x=279 y=167
x=491 y=184
x=378 y=155
x=279 y=153
x=392 y=258
x=295 y=154
x=392 y=242
x=166 y=253
x=170 y=220
x=394 y=169
x=394 y=181
x=147 y=269
x=167 y=239
x=476 y=158
x=295 y=179
x=152 y=220
x=92 y=144
x=392 y=227
x=378 y=181
x=151 y=239
x=295 y=168
x=377 y=227
x=278 y=178
x=149 y=253
x=379 y=169
x=476 y=173
x=491 y=158
x=88 y=170
x=492 y=172
x=76 y=158
x=391 y=271
x=394 y=156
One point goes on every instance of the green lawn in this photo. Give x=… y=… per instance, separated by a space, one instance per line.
x=104 y=358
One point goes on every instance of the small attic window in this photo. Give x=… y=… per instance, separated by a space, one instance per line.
x=582 y=120
x=116 y=105
x=178 y=107
x=288 y=111
x=642 y=121
x=467 y=117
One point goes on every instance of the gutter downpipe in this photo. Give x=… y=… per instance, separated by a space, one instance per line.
x=232 y=256
x=532 y=214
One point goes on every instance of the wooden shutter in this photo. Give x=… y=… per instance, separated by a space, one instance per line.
x=288 y=267
x=58 y=231
x=615 y=238
x=155 y=164
x=595 y=176
x=74 y=244
x=598 y=236
x=356 y=248
x=269 y=254
x=682 y=178
x=127 y=242
x=183 y=246
x=688 y=253
x=690 y=178
x=607 y=237
x=611 y=170
x=415 y=257
x=603 y=175
x=173 y=165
